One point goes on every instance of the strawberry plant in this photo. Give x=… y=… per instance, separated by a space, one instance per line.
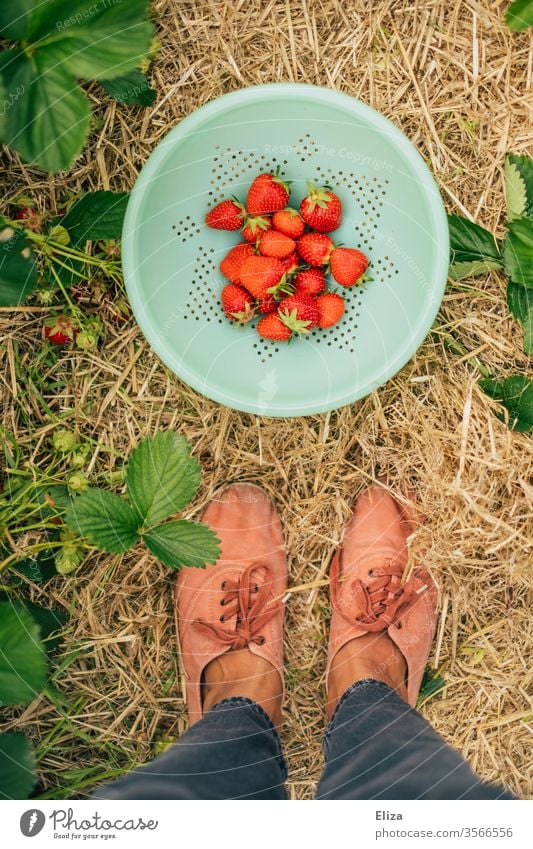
x=55 y=43
x=519 y=15
x=475 y=251
x=161 y=478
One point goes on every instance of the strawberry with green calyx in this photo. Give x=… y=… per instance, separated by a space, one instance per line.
x=237 y=303
x=315 y=248
x=28 y=214
x=255 y=226
x=321 y=209
x=226 y=215
x=64 y=440
x=231 y=264
x=310 y=281
x=69 y=556
x=289 y=221
x=272 y=243
x=86 y=340
x=45 y=294
x=348 y=266
x=299 y=313
x=262 y=275
x=331 y=309
x=271 y=327
x=267 y=193
x=78 y=482
x=79 y=458
x=60 y=329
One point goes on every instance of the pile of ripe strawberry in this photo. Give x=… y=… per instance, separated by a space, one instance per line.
x=279 y=270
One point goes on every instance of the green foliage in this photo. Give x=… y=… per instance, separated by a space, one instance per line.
x=132 y=88
x=18 y=271
x=17 y=766
x=515 y=393
x=96 y=215
x=182 y=543
x=432 y=683
x=22 y=656
x=162 y=477
x=518 y=251
x=474 y=251
x=519 y=15
x=47 y=114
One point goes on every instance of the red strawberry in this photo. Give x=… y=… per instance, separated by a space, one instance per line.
x=291 y=264
x=268 y=193
x=272 y=243
x=267 y=305
x=330 y=308
x=321 y=209
x=231 y=264
x=347 y=265
x=255 y=226
x=237 y=303
x=261 y=275
x=314 y=248
x=299 y=313
x=227 y=215
x=271 y=327
x=310 y=281
x=60 y=329
x=288 y=221
x=30 y=216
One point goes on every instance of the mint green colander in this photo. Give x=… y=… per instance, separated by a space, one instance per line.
x=392 y=211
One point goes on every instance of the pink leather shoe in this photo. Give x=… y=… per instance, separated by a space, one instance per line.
x=237 y=603
x=368 y=594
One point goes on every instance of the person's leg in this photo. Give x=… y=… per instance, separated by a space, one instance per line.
x=232 y=753
x=230 y=622
x=378 y=747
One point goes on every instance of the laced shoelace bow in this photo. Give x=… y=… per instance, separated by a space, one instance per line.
x=384 y=600
x=247 y=601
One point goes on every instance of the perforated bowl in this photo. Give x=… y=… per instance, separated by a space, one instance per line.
x=392 y=211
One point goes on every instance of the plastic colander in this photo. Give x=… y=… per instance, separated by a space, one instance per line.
x=392 y=211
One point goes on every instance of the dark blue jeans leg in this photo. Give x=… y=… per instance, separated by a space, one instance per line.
x=234 y=752
x=377 y=747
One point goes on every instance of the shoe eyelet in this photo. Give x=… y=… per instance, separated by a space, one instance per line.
x=370 y=573
x=256 y=588
x=221 y=619
x=261 y=640
x=399 y=626
x=223 y=586
x=222 y=601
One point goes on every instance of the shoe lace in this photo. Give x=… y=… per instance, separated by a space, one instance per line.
x=384 y=600
x=247 y=602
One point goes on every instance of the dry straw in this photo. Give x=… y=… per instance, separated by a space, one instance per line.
x=456 y=81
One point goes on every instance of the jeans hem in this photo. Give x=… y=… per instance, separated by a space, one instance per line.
x=243 y=701
x=364 y=683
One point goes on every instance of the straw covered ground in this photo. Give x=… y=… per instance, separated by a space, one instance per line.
x=456 y=81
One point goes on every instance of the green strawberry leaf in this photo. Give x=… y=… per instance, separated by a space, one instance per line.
x=96 y=215
x=131 y=88
x=162 y=477
x=519 y=15
x=527 y=325
x=524 y=166
x=93 y=40
x=22 y=656
x=515 y=393
x=515 y=191
x=48 y=123
x=471 y=243
x=183 y=543
x=18 y=271
x=460 y=270
x=519 y=300
x=17 y=766
x=15 y=18
x=518 y=251
x=105 y=519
